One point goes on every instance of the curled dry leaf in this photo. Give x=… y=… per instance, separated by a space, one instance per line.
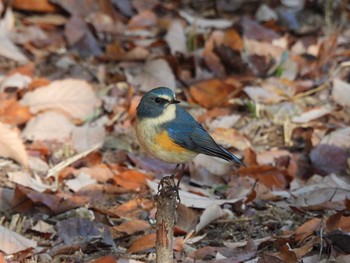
x=48 y=126
x=74 y=97
x=11 y=242
x=11 y=146
x=16 y=80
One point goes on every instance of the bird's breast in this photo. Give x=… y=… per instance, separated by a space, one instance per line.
x=157 y=142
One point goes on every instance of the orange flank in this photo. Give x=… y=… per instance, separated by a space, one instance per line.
x=167 y=144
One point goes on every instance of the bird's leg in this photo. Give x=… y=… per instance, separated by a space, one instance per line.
x=180 y=175
x=165 y=182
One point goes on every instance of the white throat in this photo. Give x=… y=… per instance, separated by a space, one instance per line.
x=168 y=114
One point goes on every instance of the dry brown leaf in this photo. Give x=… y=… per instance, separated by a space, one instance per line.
x=131 y=227
x=307 y=229
x=11 y=112
x=213 y=92
x=11 y=242
x=143 y=243
x=73 y=96
x=48 y=126
x=11 y=146
x=339 y=137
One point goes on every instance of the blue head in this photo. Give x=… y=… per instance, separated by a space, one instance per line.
x=154 y=102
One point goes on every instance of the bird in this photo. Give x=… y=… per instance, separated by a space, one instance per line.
x=171 y=134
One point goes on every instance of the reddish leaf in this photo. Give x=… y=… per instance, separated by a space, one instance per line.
x=11 y=112
x=268 y=175
x=130 y=228
x=143 y=243
x=307 y=229
x=213 y=92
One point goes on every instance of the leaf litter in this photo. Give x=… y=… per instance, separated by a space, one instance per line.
x=269 y=81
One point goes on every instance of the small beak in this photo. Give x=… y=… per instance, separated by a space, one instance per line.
x=174 y=101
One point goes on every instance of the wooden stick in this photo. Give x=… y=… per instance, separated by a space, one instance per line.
x=166 y=200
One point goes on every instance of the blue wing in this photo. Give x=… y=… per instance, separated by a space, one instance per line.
x=188 y=133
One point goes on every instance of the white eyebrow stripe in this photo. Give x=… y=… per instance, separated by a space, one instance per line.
x=165 y=97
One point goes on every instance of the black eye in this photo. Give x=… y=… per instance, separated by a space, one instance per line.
x=157 y=100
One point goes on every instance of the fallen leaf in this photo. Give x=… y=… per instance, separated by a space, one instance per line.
x=43 y=6
x=176 y=38
x=81 y=232
x=210 y=214
x=339 y=137
x=231 y=138
x=87 y=136
x=268 y=175
x=312 y=114
x=48 y=126
x=144 y=19
x=213 y=92
x=261 y=95
x=74 y=97
x=130 y=228
x=186 y=219
x=197 y=201
x=43 y=227
x=212 y=59
x=12 y=112
x=16 y=80
x=340 y=240
x=215 y=166
x=131 y=179
x=108 y=259
x=133 y=208
x=143 y=243
x=11 y=146
x=80 y=181
x=24 y=178
x=11 y=242
x=327 y=159
x=205 y=23
x=7 y=48
x=307 y=229
x=6 y=197
x=154 y=73
x=224 y=122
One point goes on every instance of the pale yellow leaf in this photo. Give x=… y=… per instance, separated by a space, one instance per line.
x=11 y=146
x=11 y=242
x=75 y=97
x=48 y=126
